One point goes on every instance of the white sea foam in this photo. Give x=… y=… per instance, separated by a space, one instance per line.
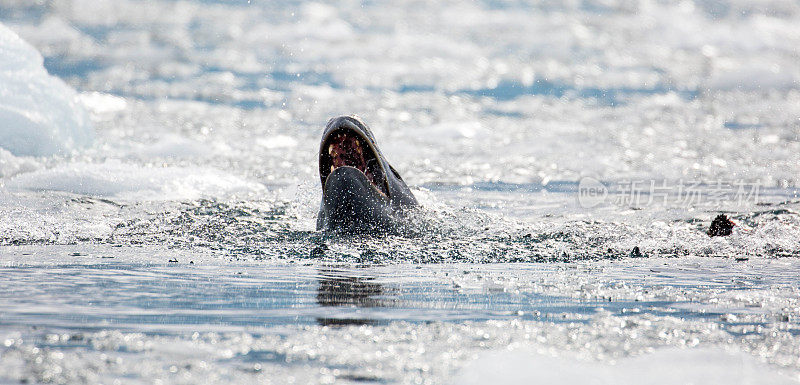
x=39 y=113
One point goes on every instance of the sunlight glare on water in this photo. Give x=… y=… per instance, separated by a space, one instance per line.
x=159 y=190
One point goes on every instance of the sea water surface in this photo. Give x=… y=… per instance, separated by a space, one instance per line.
x=158 y=192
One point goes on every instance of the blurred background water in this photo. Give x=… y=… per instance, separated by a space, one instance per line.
x=188 y=131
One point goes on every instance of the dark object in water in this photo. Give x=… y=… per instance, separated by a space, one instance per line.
x=721 y=226
x=361 y=191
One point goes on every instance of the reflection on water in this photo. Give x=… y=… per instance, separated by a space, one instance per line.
x=272 y=319
x=221 y=297
x=338 y=289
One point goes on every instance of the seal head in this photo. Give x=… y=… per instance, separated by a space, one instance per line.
x=361 y=191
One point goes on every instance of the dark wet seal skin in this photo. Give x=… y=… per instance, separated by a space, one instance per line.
x=361 y=191
x=721 y=226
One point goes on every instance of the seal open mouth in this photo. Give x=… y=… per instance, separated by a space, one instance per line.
x=346 y=147
x=361 y=191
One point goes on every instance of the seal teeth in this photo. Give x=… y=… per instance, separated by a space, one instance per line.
x=333 y=168
x=330 y=150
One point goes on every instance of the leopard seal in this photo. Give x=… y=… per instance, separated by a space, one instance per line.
x=361 y=191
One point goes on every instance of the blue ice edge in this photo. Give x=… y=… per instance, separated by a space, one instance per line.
x=281 y=80
x=572 y=187
x=509 y=90
x=565 y=187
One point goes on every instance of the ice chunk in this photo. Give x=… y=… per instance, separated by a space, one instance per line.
x=753 y=77
x=669 y=366
x=175 y=147
x=40 y=115
x=277 y=141
x=11 y=165
x=134 y=183
x=100 y=103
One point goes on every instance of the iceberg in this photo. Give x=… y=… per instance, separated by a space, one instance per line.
x=40 y=115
